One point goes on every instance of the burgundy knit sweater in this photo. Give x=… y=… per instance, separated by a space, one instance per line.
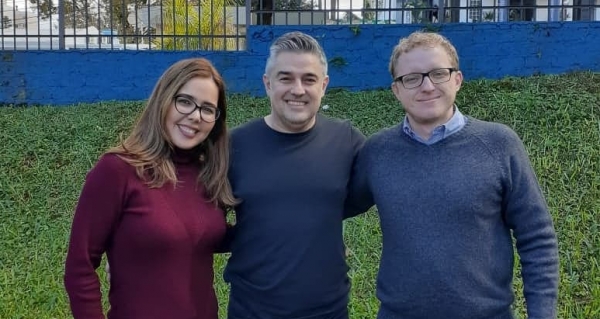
x=159 y=243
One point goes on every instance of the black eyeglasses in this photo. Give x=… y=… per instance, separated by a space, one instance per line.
x=436 y=76
x=185 y=104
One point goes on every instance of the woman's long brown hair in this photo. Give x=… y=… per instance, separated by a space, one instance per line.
x=148 y=147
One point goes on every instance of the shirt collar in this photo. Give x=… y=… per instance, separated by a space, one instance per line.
x=456 y=122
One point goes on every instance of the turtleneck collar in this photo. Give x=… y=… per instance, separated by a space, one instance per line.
x=181 y=156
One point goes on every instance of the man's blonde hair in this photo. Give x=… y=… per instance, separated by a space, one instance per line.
x=422 y=39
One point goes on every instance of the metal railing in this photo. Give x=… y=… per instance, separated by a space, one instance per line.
x=222 y=24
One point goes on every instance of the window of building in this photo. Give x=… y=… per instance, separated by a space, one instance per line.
x=475 y=11
x=521 y=10
x=452 y=12
x=583 y=10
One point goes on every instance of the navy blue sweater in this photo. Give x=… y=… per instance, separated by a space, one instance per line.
x=447 y=212
x=287 y=251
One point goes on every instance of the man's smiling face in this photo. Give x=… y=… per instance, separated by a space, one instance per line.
x=295 y=84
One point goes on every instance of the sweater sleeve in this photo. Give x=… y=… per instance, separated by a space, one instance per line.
x=97 y=212
x=528 y=216
x=359 y=198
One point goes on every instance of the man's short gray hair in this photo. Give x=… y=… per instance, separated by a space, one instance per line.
x=296 y=42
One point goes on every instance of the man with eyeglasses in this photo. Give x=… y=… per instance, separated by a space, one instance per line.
x=452 y=192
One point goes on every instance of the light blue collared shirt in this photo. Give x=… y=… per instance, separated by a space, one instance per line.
x=456 y=122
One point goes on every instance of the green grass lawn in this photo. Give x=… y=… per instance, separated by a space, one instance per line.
x=46 y=152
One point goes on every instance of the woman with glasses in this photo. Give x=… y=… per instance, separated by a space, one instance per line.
x=155 y=204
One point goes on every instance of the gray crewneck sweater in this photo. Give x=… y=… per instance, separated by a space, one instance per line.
x=447 y=211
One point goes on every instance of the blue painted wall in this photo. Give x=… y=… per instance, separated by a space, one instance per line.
x=358 y=57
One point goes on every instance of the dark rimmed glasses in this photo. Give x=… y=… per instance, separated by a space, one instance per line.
x=185 y=104
x=436 y=76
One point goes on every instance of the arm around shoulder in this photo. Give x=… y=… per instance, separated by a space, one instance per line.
x=359 y=198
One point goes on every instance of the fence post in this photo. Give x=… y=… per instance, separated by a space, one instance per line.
x=503 y=11
x=441 y=11
x=61 y=25
x=248 y=4
x=555 y=6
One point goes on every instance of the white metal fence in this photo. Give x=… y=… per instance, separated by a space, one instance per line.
x=222 y=24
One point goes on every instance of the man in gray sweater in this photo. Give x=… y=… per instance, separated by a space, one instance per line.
x=452 y=192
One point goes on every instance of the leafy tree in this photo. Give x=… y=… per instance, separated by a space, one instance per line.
x=5 y=22
x=366 y=13
x=77 y=14
x=419 y=11
x=117 y=14
x=294 y=4
x=187 y=28
x=45 y=7
x=98 y=13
